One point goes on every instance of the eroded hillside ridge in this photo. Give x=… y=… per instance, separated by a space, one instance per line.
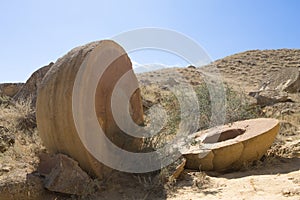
x=258 y=67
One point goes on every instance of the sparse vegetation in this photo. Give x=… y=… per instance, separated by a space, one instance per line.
x=26 y=121
x=5 y=101
x=20 y=144
x=14 y=123
x=237 y=108
x=21 y=150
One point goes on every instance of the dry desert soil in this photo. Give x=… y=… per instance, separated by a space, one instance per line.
x=260 y=73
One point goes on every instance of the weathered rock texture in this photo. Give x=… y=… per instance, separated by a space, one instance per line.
x=232 y=145
x=65 y=176
x=265 y=72
x=55 y=119
x=29 y=89
x=287 y=80
x=250 y=70
x=277 y=87
x=179 y=168
x=10 y=89
x=270 y=97
x=293 y=85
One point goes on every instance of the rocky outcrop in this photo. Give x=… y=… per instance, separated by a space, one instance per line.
x=287 y=80
x=293 y=85
x=29 y=89
x=270 y=97
x=55 y=119
x=277 y=87
x=10 y=89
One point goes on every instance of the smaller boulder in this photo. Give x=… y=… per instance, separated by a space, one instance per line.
x=29 y=89
x=63 y=175
x=287 y=80
x=178 y=169
x=270 y=97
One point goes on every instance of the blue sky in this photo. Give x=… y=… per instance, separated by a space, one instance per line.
x=34 y=33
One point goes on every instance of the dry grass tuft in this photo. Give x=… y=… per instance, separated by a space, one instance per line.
x=26 y=144
x=237 y=108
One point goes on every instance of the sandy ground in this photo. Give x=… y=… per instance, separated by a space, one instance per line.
x=280 y=181
x=277 y=177
x=247 y=72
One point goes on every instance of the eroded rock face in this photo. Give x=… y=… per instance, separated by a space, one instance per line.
x=29 y=89
x=10 y=89
x=287 y=80
x=55 y=118
x=293 y=85
x=270 y=97
x=277 y=87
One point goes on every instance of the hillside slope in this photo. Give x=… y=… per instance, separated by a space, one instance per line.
x=275 y=176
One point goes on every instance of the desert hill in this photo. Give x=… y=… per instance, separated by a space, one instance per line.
x=256 y=67
x=259 y=83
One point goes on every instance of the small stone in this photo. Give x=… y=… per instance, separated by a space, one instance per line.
x=178 y=169
x=286 y=192
x=6 y=169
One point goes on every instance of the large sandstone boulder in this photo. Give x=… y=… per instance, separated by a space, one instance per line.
x=29 y=89
x=232 y=145
x=55 y=118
